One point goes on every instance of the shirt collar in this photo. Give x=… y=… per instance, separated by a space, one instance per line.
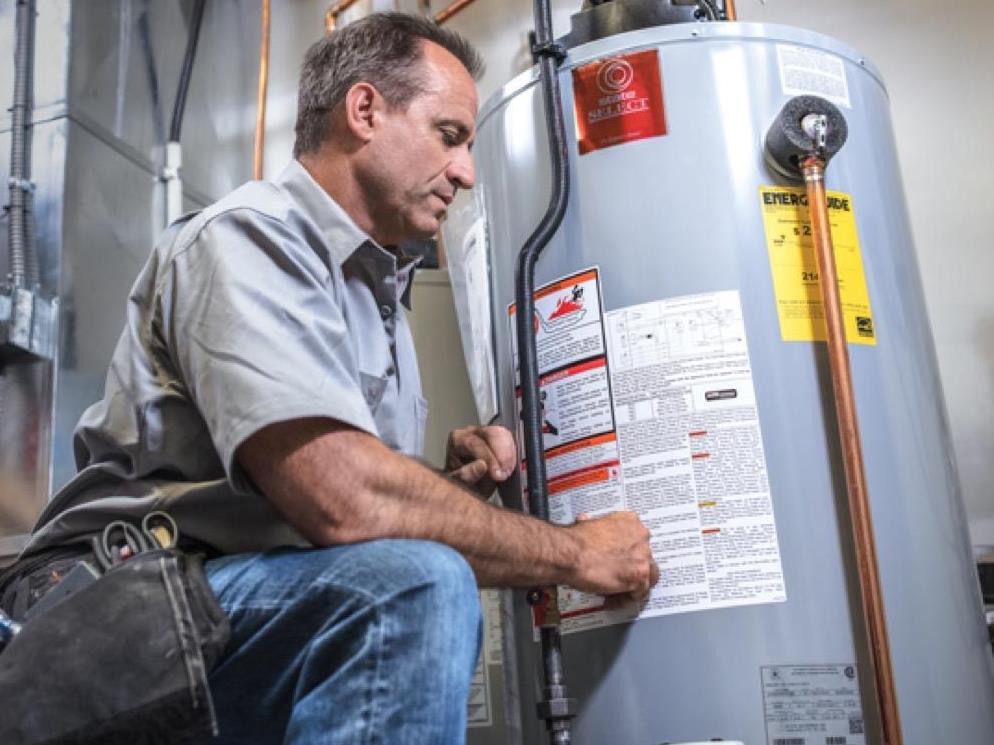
x=342 y=236
x=406 y=267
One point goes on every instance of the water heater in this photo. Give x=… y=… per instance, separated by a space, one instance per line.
x=684 y=376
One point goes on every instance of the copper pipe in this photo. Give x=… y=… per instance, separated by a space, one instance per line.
x=260 y=115
x=331 y=15
x=852 y=454
x=730 y=14
x=450 y=10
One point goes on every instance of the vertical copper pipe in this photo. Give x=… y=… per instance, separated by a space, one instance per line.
x=852 y=454
x=730 y=14
x=260 y=115
x=450 y=10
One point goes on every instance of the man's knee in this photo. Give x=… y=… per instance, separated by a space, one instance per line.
x=426 y=594
x=444 y=605
x=438 y=569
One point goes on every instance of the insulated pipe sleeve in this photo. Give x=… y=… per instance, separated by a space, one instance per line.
x=787 y=143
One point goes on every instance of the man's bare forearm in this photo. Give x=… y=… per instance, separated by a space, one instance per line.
x=372 y=492
x=338 y=485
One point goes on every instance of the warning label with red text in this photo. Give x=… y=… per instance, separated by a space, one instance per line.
x=574 y=386
x=618 y=100
x=579 y=438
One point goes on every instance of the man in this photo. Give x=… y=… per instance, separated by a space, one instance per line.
x=265 y=393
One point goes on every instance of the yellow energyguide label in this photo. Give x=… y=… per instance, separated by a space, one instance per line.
x=795 y=269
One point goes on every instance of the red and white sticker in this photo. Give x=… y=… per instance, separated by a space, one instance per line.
x=618 y=100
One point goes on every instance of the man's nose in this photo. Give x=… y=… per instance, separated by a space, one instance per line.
x=462 y=172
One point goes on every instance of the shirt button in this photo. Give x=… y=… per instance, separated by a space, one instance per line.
x=385 y=312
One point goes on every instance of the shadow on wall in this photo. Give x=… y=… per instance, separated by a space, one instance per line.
x=982 y=523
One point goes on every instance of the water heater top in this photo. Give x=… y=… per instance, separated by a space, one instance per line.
x=685 y=33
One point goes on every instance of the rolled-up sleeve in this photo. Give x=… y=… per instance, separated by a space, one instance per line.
x=252 y=318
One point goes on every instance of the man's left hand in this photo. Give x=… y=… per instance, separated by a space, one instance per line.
x=481 y=457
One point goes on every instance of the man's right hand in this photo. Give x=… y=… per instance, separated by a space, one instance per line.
x=615 y=557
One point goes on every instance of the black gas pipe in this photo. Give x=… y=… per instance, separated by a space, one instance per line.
x=556 y=708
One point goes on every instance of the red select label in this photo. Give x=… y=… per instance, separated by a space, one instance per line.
x=618 y=100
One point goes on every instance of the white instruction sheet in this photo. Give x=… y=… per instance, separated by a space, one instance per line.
x=812 y=705
x=685 y=452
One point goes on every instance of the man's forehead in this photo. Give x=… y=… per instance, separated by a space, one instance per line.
x=446 y=75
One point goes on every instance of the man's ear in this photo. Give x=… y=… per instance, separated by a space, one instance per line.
x=362 y=107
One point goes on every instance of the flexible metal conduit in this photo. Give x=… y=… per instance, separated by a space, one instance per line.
x=23 y=262
x=549 y=57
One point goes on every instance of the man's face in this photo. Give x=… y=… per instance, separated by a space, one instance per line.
x=420 y=155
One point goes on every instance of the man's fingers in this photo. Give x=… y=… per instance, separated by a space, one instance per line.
x=479 y=447
x=499 y=448
x=501 y=442
x=472 y=472
x=653 y=574
x=493 y=445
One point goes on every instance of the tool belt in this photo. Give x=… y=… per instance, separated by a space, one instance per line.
x=121 y=657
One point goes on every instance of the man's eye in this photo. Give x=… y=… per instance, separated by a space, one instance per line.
x=450 y=137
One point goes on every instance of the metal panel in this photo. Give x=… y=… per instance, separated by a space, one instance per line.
x=126 y=59
x=95 y=151
x=27 y=396
x=679 y=215
x=107 y=237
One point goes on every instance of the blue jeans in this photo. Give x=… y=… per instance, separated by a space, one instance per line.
x=368 y=643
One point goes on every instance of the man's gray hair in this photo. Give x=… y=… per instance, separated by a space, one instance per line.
x=382 y=49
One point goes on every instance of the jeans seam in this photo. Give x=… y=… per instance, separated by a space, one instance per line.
x=374 y=688
x=372 y=598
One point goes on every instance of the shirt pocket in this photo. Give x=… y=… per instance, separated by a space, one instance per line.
x=420 y=424
x=373 y=387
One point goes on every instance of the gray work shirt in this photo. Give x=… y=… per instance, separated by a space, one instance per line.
x=267 y=306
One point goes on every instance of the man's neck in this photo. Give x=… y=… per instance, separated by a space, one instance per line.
x=333 y=173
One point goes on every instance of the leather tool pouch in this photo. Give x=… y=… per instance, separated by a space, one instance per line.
x=124 y=660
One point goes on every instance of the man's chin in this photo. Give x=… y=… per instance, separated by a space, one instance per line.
x=426 y=229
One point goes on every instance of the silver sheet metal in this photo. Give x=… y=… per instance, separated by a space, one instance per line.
x=97 y=151
x=679 y=215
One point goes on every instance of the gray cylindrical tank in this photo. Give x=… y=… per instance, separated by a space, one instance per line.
x=680 y=215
